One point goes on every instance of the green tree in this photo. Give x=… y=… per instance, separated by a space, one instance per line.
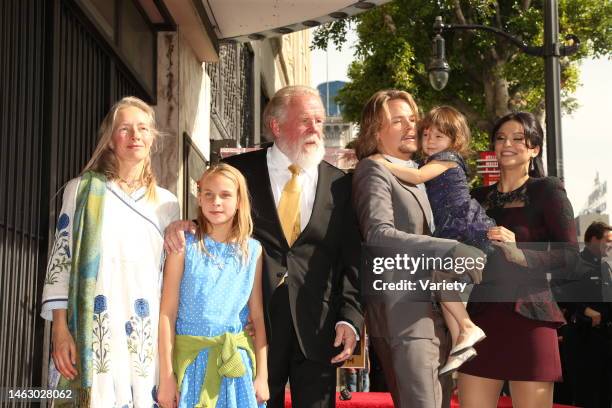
x=489 y=75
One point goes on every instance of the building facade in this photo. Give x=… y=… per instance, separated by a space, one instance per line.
x=338 y=132
x=597 y=207
x=599 y=200
x=64 y=63
x=207 y=68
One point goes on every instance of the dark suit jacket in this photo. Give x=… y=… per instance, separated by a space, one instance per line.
x=322 y=264
x=592 y=291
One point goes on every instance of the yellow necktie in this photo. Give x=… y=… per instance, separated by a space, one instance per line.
x=289 y=206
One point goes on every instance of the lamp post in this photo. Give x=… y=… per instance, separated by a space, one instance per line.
x=550 y=51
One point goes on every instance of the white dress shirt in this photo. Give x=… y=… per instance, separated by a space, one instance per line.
x=278 y=169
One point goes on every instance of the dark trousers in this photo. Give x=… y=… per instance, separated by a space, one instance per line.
x=592 y=366
x=563 y=393
x=313 y=384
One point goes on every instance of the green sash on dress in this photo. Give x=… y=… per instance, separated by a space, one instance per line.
x=224 y=360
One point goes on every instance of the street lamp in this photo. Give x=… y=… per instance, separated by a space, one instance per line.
x=551 y=51
x=438 y=67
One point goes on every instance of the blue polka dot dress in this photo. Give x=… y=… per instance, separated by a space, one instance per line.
x=213 y=300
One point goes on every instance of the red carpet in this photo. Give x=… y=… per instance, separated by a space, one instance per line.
x=383 y=400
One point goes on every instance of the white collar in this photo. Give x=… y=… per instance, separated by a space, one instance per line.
x=407 y=163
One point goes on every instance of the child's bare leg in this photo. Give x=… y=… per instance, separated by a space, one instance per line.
x=468 y=332
x=457 y=318
x=451 y=323
x=459 y=315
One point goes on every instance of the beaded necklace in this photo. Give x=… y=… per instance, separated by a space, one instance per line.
x=497 y=199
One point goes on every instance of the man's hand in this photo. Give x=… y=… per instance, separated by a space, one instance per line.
x=249 y=329
x=346 y=336
x=174 y=236
x=594 y=315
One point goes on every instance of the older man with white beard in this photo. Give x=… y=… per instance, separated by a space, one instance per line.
x=304 y=220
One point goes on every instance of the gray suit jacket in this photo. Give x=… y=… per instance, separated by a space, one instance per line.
x=395 y=215
x=408 y=336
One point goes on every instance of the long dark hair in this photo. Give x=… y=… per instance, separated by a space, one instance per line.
x=534 y=137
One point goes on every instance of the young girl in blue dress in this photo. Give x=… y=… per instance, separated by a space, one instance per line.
x=209 y=292
x=444 y=137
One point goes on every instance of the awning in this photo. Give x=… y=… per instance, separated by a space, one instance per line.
x=242 y=20
x=207 y=22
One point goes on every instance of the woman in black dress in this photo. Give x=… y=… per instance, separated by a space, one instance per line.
x=517 y=310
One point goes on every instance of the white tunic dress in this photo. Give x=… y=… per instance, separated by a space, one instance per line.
x=128 y=290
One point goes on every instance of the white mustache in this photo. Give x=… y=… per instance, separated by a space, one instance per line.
x=311 y=138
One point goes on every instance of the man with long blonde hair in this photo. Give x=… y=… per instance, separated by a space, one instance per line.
x=408 y=336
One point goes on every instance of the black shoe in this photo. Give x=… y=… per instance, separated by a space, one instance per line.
x=345 y=394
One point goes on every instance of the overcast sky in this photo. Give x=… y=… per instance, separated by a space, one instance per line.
x=587 y=136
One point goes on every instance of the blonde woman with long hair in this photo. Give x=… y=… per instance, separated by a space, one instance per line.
x=103 y=281
x=210 y=289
